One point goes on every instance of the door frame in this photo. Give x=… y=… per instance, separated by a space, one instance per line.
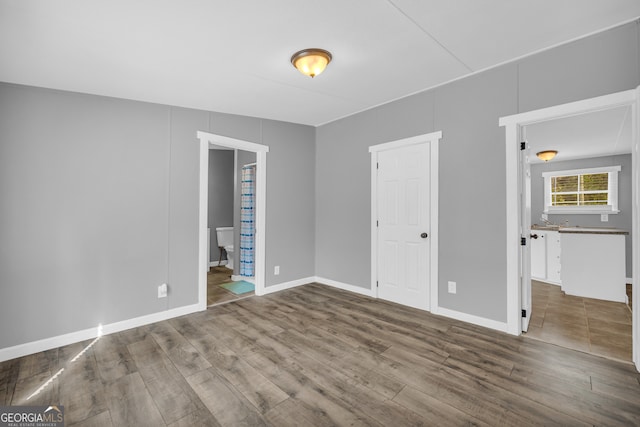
x=514 y=125
x=261 y=151
x=432 y=139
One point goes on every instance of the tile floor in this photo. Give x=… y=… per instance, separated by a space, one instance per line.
x=215 y=293
x=589 y=325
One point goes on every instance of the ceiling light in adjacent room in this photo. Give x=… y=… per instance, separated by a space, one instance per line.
x=546 y=155
x=311 y=62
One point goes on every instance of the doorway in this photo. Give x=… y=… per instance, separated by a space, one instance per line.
x=586 y=187
x=206 y=140
x=231 y=225
x=518 y=220
x=404 y=234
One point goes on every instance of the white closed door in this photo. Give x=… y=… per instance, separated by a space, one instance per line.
x=403 y=201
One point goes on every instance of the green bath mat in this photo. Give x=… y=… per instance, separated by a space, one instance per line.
x=240 y=287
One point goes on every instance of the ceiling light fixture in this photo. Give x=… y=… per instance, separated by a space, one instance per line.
x=546 y=155
x=311 y=62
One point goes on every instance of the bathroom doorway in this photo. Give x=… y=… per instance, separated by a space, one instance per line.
x=231 y=224
x=208 y=140
x=518 y=219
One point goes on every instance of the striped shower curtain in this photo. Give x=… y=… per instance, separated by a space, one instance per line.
x=247 y=220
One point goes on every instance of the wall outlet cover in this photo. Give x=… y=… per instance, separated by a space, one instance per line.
x=276 y=270
x=604 y=217
x=162 y=291
x=452 y=287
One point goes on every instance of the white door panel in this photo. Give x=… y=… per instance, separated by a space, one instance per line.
x=403 y=207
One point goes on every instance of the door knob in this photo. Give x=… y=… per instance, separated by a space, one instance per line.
x=424 y=235
x=534 y=236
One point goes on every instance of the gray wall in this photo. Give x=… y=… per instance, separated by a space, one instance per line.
x=221 y=196
x=472 y=163
x=622 y=220
x=100 y=195
x=241 y=158
x=100 y=206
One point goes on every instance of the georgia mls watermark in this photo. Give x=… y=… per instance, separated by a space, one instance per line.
x=32 y=416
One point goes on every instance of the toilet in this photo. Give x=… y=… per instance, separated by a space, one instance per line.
x=225 y=240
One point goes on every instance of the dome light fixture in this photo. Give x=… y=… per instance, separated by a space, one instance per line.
x=546 y=155
x=311 y=62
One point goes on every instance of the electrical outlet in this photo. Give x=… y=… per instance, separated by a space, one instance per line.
x=452 y=287
x=604 y=217
x=162 y=291
x=276 y=270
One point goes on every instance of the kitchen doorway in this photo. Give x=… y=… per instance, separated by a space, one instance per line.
x=580 y=236
x=518 y=221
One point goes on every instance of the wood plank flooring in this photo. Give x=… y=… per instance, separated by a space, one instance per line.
x=317 y=356
x=590 y=325
x=216 y=294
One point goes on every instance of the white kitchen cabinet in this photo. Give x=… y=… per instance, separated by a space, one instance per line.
x=545 y=256
x=593 y=265
x=553 y=257
x=539 y=255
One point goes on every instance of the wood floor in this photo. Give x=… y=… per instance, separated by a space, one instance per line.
x=317 y=356
x=216 y=294
x=590 y=325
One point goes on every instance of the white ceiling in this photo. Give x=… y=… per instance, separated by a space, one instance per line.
x=602 y=133
x=233 y=56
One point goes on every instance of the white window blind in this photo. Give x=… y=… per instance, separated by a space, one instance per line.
x=589 y=191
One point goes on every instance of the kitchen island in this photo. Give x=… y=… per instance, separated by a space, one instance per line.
x=592 y=261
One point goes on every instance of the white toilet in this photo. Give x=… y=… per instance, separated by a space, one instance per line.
x=225 y=240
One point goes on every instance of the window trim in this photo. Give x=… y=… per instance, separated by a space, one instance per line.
x=611 y=208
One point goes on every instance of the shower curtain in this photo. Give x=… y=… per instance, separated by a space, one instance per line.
x=247 y=220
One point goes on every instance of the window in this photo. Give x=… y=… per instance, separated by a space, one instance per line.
x=588 y=191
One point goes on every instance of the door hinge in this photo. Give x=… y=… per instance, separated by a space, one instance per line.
x=523 y=145
x=377 y=224
x=377 y=165
x=524 y=313
x=523 y=241
x=376 y=283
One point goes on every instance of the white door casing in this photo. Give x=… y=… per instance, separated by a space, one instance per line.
x=404 y=206
x=525 y=251
x=206 y=138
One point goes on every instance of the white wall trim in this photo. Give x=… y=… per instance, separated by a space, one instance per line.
x=74 y=337
x=288 y=285
x=218 y=263
x=513 y=127
x=470 y=318
x=345 y=286
x=427 y=137
x=433 y=140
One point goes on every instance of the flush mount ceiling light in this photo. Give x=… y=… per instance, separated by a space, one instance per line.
x=546 y=155
x=311 y=62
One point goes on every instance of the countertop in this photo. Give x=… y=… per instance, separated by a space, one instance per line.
x=579 y=230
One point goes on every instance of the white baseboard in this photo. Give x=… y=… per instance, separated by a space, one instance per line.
x=345 y=286
x=470 y=318
x=217 y=263
x=288 y=285
x=74 y=337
